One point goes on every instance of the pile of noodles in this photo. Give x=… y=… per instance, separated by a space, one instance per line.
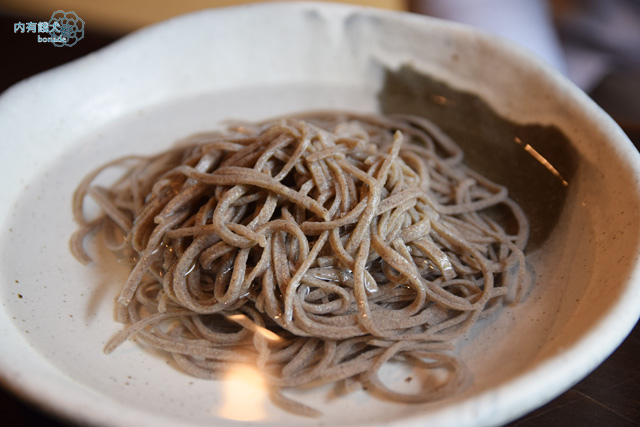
x=319 y=248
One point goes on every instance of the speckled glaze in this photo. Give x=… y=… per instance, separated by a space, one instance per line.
x=190 y=73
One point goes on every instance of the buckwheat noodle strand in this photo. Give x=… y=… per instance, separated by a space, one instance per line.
x=318 y=247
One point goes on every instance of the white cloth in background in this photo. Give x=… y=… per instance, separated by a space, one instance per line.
x=526 y=22
x=587 y=41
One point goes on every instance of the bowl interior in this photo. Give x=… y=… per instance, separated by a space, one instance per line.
x=254 y=62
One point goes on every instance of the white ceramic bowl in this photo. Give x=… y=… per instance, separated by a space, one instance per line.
x=188 y=74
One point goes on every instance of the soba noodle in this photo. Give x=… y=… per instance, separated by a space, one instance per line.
x=317 y=247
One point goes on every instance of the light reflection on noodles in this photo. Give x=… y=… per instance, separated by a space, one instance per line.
x=346 y=241
x=249 y=324
x=244 y=394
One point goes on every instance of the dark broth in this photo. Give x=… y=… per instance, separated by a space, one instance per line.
x=535 y=162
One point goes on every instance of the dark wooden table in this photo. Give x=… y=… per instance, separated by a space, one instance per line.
x=610 y=396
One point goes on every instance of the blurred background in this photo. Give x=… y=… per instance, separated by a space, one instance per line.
x=595 y=43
